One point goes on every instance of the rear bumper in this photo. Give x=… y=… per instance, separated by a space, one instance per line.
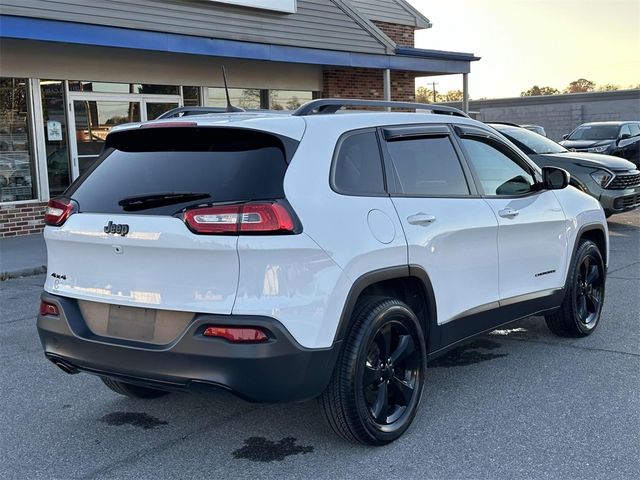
x=275 y=371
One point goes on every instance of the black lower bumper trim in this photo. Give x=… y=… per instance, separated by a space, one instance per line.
x=276 y=371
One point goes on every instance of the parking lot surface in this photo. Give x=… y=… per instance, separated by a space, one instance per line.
x=517 y=403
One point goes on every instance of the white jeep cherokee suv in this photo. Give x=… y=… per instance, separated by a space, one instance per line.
x=290 y=256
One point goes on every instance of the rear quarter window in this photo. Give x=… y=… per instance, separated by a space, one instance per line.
x=357 y=166
x=188 y=166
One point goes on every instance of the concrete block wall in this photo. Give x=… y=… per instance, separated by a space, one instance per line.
x=559 y=114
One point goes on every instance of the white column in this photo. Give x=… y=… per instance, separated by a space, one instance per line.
x=465 y=92
x=39 y=149
x=387 y=86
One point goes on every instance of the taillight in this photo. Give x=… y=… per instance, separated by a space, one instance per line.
x=58 y=210
x=50 y=309
x=238 y=334
x=259 y=217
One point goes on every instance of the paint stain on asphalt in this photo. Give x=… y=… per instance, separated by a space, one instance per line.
x=142 y=420
x=259 y=449
x=468 y=354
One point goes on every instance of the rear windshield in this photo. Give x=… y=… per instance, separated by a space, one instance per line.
x=161 y=171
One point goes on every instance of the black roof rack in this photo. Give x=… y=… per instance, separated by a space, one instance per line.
x=188 y=111
x=332 y=105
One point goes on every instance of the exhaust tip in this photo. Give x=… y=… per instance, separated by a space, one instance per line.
x=64 y=366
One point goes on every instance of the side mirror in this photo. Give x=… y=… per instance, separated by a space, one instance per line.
x=564 y=137
x=555 y=178
x=624 y=136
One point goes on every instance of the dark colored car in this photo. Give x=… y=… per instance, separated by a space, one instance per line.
x=621 y=139
x=615 y=182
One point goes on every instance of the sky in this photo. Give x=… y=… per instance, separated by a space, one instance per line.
x=534 y=42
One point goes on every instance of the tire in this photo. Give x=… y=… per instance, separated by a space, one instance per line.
x=132 y=391
x=579 y=314
x=354 y=402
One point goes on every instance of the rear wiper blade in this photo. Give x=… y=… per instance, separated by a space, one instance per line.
x=152 y=200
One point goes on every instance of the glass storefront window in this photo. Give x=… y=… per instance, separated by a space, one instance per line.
x=17 y=172
x=112 y=87
x=288 y=99
x=247 y=98
x=55 y=135
x=148 y=89
x=155 y=109
x=94 y=119
x=191 y=96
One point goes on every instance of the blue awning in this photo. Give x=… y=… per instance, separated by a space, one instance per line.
x=406 y=58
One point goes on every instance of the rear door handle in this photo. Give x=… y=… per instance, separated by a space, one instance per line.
x=508 y=213
x=421 y=219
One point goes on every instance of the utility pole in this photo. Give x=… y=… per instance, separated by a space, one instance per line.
x=434 y=90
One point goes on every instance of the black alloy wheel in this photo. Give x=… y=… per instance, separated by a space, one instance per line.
x=378 y=380
x=580 y=311
x=391 y=371
x=589 y=290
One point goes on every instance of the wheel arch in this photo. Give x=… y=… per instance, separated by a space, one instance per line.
x=408 y=283
x=594 y=232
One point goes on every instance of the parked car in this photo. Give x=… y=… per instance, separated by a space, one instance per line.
x=536 y=128
x=615 y=182
x=621 y=139
x=288 y=257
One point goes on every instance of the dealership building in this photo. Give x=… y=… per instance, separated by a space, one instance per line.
x=70 y=70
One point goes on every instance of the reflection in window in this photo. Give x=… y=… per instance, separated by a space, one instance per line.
x=112 y=87
x=55 y=135
x=191 y=96
x=247 y=98
x=289 y=99
x=94 y=120
x=155 y=109
x=17 y=174
x=498 y=174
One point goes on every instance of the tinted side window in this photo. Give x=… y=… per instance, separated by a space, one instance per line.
x=625 y=129
x=358 y=166
x=635 y=129
x=427 y=166
x=498 y=174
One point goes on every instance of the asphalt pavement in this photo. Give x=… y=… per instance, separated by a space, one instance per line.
x=517 y=403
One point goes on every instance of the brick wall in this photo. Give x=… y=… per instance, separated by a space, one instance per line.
x=367 y=83
x=21 y=219
x=401 y=34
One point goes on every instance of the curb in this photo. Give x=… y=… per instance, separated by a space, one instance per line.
x=23 y=272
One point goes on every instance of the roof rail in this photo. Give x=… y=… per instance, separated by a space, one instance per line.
x=332 y=105
x=188 y=111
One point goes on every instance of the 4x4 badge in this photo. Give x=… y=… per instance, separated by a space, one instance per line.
x=117 y=228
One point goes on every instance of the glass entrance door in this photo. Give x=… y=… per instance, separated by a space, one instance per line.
x=155 y=109
x=93 y=120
